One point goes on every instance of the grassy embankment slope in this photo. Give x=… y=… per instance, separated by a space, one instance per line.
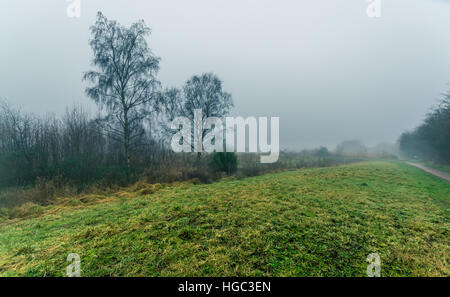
x=314 y=222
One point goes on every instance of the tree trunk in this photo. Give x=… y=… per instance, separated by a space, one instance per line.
x=126 y=131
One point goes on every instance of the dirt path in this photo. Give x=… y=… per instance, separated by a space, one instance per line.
x=438 y=173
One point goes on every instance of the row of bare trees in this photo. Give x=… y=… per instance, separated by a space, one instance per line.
x=127 y=136
x=74 y=146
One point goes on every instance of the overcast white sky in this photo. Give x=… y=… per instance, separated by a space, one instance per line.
x=327 y=70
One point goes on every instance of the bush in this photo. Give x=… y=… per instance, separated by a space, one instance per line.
x=4 y=213
x=224 y=162
x=251 y=170
x=28 y=209
x=44 y=192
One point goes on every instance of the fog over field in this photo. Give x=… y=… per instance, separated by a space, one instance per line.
x=326 y=69
x=273 y=140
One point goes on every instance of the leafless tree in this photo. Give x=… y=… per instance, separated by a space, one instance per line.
x=124 y=82
x=202 y=92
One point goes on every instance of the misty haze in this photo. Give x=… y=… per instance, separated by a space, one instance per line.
x=239 y=138
x=327 y=70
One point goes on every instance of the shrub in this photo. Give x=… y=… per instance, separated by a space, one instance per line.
x=4 y=213
x=44 y=192
x=202 y=176
x=224 y=162
x=26 y=210
x=250 y=170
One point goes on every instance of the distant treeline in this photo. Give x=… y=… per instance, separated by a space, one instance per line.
x=128 y=138
x=431 y=140
x=46 y=157
x=75 y=147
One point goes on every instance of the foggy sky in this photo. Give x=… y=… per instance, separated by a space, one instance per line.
x=327 y=70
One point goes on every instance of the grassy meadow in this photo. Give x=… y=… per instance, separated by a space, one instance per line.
x=307 y=222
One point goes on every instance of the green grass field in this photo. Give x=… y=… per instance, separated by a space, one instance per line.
x=314 y=222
